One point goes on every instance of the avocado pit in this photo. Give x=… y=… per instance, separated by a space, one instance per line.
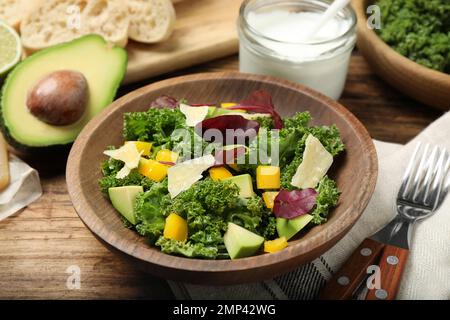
x=60 y=98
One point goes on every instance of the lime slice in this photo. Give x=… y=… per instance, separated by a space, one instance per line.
x=10 y=48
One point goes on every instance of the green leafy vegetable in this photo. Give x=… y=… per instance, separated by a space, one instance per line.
x=187 y=249
x=155 y=125
x=265 y=122
x=149 y=211
x=209 y=205
x=418 y=30
x=291 y=152
x=111 y=167
x=327 y=198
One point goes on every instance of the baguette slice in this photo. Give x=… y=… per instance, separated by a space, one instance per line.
x=10 y=12
x=151 y=21
x=109 y=18
x=14 y=11
x=57 y=21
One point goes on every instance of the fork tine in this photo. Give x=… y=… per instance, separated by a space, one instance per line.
x=430 y=171
x=445 y=188
x=409 y=171
x=419 y=174
x=438 y=183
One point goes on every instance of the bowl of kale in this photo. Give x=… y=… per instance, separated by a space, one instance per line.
x=407 y=43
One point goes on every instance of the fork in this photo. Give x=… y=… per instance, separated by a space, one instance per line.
x=423 y=189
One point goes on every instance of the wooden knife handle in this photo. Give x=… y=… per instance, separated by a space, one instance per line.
x=344 y=283
x=392 y=264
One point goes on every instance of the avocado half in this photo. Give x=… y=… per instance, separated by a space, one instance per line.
x=103 y=66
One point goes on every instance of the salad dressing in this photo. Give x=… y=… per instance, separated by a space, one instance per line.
x=275 y=40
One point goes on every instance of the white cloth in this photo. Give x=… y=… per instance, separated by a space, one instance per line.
x=427 y=274
x=23 y=189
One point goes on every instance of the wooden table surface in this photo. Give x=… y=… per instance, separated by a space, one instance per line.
x=38 y=244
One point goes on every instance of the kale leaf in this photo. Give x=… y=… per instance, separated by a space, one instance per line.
x=187 y=249
x=297 y=129
x=328 y=196
x=155 y=125
x=418 y=30
x=149 y=211
x=109 y=170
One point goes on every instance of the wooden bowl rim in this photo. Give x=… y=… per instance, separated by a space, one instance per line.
x=333 y=232
x=374 y=39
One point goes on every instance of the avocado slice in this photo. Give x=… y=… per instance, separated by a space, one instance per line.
x=245 y=184
x=223 y=112
x=290 y=227
x=122 y=198
x=211 y=111
x=102 y=65
x=240 y=242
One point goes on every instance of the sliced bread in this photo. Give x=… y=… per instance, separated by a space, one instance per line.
x=151 y=21
x=57 y=21
x=14 y=11
x=10 y=12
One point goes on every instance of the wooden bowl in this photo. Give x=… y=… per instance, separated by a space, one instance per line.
x=428 y=86
x=355 y=172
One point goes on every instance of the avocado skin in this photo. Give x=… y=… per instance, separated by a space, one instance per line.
x=54 y=148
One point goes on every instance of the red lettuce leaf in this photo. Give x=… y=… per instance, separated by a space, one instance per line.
x=243 y=130
x=291 y=204
x=260 y=102
x=164 y=102
x=229 y=156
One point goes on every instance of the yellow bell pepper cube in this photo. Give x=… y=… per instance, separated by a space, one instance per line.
x=165 y=155
x=176 y=228
x=269 y=198
x=152 y=169
x=219 y=173
x=228 y=105
x=275 y=245
x=268 y=177
x=234 y=166
x=142 y=146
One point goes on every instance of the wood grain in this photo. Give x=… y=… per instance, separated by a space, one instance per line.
x=423 y=84
x=355 y=173
x=392 y=264
x=30 y=262
x=344 y=283
x=204 y=30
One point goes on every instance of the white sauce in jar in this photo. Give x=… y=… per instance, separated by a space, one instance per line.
x=275 y=42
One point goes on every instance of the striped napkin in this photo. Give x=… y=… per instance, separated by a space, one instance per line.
x=427 y=274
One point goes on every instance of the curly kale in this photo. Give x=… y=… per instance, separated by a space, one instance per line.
x=209 y=205
x=418 y=30
x=109 y=170
x=265 y=122
x=212 y=197
x=187 y=249
x=328 y=196
x=155 y=125
x=292 y=143
x=204 y=206
x=149 y=211
x=248 y=214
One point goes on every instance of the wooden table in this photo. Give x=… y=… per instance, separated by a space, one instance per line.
x=39 y=243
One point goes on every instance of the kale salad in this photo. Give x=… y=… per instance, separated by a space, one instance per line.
x=221 y=181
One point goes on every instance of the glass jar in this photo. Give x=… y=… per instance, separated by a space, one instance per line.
x=321 y=63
